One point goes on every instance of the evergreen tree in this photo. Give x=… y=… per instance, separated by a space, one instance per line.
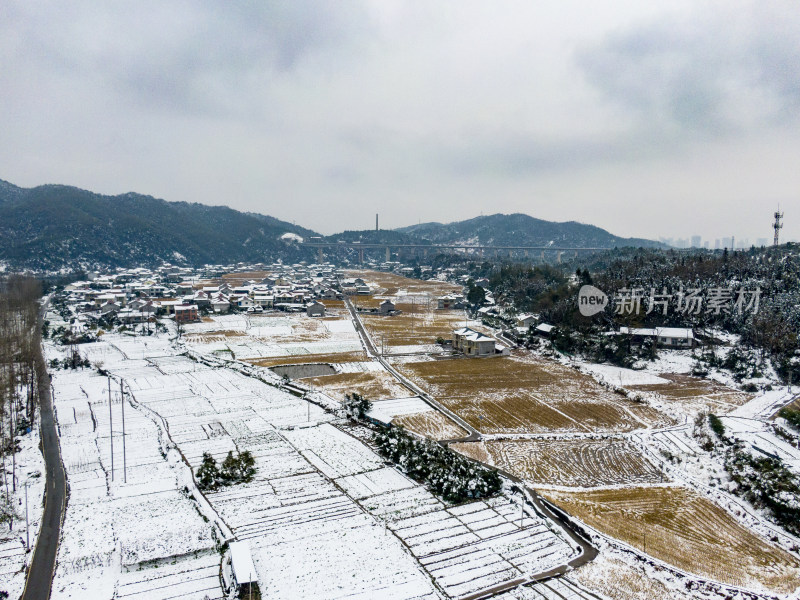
x=208 y=475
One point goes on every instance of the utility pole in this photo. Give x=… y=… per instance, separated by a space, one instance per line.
x=27 y=528
x=111 y=428
x=124 y=453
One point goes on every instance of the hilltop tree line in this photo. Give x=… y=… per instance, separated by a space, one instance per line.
x=771 y=332
x=22 y=374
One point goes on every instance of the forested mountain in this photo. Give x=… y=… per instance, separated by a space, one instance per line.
x=521 y=230
x=58 y=227
x=55 y=227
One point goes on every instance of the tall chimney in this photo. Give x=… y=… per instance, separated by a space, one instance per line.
x=376 y=221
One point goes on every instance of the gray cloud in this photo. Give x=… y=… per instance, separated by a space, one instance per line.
x=325 y=111
x=712 y=71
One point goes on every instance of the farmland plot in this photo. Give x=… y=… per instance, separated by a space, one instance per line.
x=375 y=385
x=277 y=339
x=391 y=285
x=578 y=463
x=692 y=394
x=432 y=424
x=685 y=530
x=615 y=578
x=117 y=521
x=523 y=395
x=562 y=588
x=321 y=506
x=417 y=326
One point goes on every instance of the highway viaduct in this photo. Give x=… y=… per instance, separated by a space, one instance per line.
x=425 y=248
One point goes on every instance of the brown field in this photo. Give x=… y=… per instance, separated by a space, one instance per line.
x=390 y=284
x=372 y=385
x=239 y=278
x=432 y=424
x=303 y=359
x=568 y=463
x=794 y=405
x=420 y=322
x=685 y=530
x=415 y=326
x=615 y=578
x=516 y=395
x=694 y=393
x=211 y=337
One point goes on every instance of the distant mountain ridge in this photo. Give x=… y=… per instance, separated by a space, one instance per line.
x=521 y=230
x=58 y=227
x=64 y=228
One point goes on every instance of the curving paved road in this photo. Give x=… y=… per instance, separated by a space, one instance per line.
x=40 y=574
x=587 y=552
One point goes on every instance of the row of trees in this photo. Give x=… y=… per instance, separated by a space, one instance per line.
x=22 y=372
x=764 y=481
x=447 y=474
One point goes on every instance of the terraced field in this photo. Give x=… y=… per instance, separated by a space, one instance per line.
x=695 y=394
x=373 y=385
x=432 y=424
x=526 y=395
x=568 y=463
x=686 y=530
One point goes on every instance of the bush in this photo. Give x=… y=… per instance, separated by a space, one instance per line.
x=766 y=483
x=716 y=426
x=792 y=417
x=356 y=406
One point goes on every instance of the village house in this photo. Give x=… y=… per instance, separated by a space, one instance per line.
x=220 y=303
x=666 y=337
x=473 y=343
x=450 y=301
x=526 y=320
x=186 y=313
x=386 y=307
x=315 y=309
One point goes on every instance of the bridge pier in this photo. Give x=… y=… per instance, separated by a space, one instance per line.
x=361 y=256
x=319 y=255
x=388 y=254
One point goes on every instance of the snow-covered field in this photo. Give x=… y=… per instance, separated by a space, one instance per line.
x=386 y=410
x=325 y=516
x=122 y=528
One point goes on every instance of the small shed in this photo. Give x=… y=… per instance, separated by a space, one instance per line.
x=242 y=568
x=315 y=309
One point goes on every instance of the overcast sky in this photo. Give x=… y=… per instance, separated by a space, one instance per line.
x=647 y=119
